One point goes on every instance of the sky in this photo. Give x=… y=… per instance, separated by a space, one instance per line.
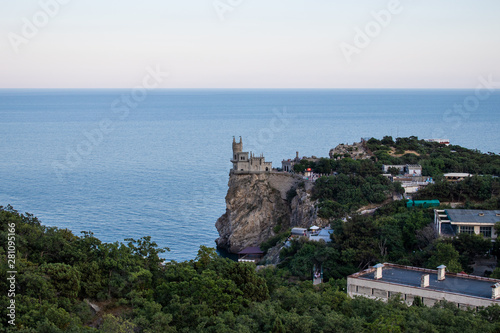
x=249 y=43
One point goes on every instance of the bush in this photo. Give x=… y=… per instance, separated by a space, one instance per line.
x=271 y=242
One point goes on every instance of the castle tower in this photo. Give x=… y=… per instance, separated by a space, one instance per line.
x=240 y=158
x=237 y=148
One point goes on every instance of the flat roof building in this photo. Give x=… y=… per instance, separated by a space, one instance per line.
x=386 y=280
x=250 y=254
x=450 y=222
x=412 y=170
x=456 y=176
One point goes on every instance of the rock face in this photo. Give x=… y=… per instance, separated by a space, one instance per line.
x=304 y=212
x=257 y=203
x=357 y=150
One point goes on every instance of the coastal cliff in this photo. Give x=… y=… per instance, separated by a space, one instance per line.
x=259 y=205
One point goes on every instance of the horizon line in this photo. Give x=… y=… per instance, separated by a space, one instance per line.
x=159 y=89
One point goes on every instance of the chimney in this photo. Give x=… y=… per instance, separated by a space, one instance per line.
x=378 y=271
x=441 y=272
x=424 y=281
x=495 y=290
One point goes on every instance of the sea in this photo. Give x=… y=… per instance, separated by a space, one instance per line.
x=133 y=163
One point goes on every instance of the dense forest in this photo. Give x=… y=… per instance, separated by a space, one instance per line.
x=70 y=283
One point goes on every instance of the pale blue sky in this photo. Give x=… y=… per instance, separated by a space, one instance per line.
x=260 y=44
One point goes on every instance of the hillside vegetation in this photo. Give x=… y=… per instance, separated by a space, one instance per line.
x=360 y=182
x=60 y=273
x=70 y=283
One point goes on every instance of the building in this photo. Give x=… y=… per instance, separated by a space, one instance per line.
x=299 y=231
x=411 y=185
x=450 y=222
x=456 y=176
x=441 y=141
x=413 y=170
x=323 y=234
x=410 y=177
x=386 y=167
x=316 y=234
x=287 y=165
x=242 y=163
x=251 y=254
x=384 y=281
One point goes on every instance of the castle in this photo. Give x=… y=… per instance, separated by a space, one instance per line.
x=243 y=164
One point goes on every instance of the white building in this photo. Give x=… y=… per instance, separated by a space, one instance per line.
x=384 y=281
x=450 y=222
x=414 y=170
x=441 y=141
x=456 y=176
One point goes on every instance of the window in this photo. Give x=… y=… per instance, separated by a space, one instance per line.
x=485 y=231
x=466 y=229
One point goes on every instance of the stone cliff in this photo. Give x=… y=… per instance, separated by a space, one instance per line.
x=256 y=203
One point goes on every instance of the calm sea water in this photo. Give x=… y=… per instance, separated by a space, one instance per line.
x=124 y=166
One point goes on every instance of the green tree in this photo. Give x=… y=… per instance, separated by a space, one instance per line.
x=393 y=171
x=445 y=254
x=387 y=140
x=65 y=279
x=112 y=324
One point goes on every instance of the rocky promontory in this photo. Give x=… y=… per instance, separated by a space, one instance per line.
x=259 y=205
